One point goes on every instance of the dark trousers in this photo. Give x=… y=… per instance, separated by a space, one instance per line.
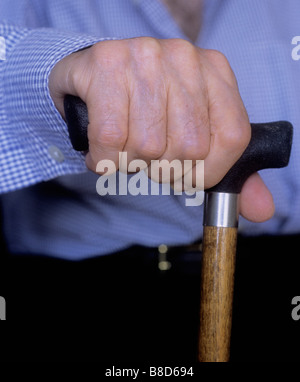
x=122 y=307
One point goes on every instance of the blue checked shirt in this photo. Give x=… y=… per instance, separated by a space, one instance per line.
x=49 y=199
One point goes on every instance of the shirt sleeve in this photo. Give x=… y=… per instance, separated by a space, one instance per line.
x=34 y=141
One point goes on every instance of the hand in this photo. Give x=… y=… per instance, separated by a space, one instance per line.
x=162 y=99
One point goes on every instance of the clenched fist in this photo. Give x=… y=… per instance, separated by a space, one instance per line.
x=162 y=99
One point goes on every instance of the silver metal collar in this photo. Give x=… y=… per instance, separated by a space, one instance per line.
x=221 y=209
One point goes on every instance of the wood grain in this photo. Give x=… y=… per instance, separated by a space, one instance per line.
x=217 y=283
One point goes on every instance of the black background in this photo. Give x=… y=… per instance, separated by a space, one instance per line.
x=123 y=309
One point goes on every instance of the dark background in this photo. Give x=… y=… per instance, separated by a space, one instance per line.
x=121 y=308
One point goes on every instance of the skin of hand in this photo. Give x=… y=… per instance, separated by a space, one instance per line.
x=162 y=99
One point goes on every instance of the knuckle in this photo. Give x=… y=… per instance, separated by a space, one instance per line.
x=109 y=54
x=182 y=46
x=150 y=141
x=237 y=139
x=182 y=54
x=217 y=57
x=191 y=151
x=146 y=49
x=219 y=61
x=197 y=135
x=151 y=149
x=196 y=142
x=145 y=61
x=110 y=135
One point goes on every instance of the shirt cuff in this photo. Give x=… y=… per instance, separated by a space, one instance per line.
x=35 y=144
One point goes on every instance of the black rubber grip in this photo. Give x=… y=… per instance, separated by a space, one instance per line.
x=270 y=145
x=76 y=114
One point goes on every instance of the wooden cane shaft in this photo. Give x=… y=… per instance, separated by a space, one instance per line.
x=217 y=282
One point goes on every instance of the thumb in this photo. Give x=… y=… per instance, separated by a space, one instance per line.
x=256 y=201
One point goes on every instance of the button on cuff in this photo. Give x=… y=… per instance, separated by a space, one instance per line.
x=56 y=154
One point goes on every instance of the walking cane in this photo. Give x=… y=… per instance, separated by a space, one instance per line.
x=269 y=147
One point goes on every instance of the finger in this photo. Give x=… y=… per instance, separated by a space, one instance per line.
x=108 y=107
x=188 y=133
x=229 y=126
x=147 y=112
x=256 y=201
